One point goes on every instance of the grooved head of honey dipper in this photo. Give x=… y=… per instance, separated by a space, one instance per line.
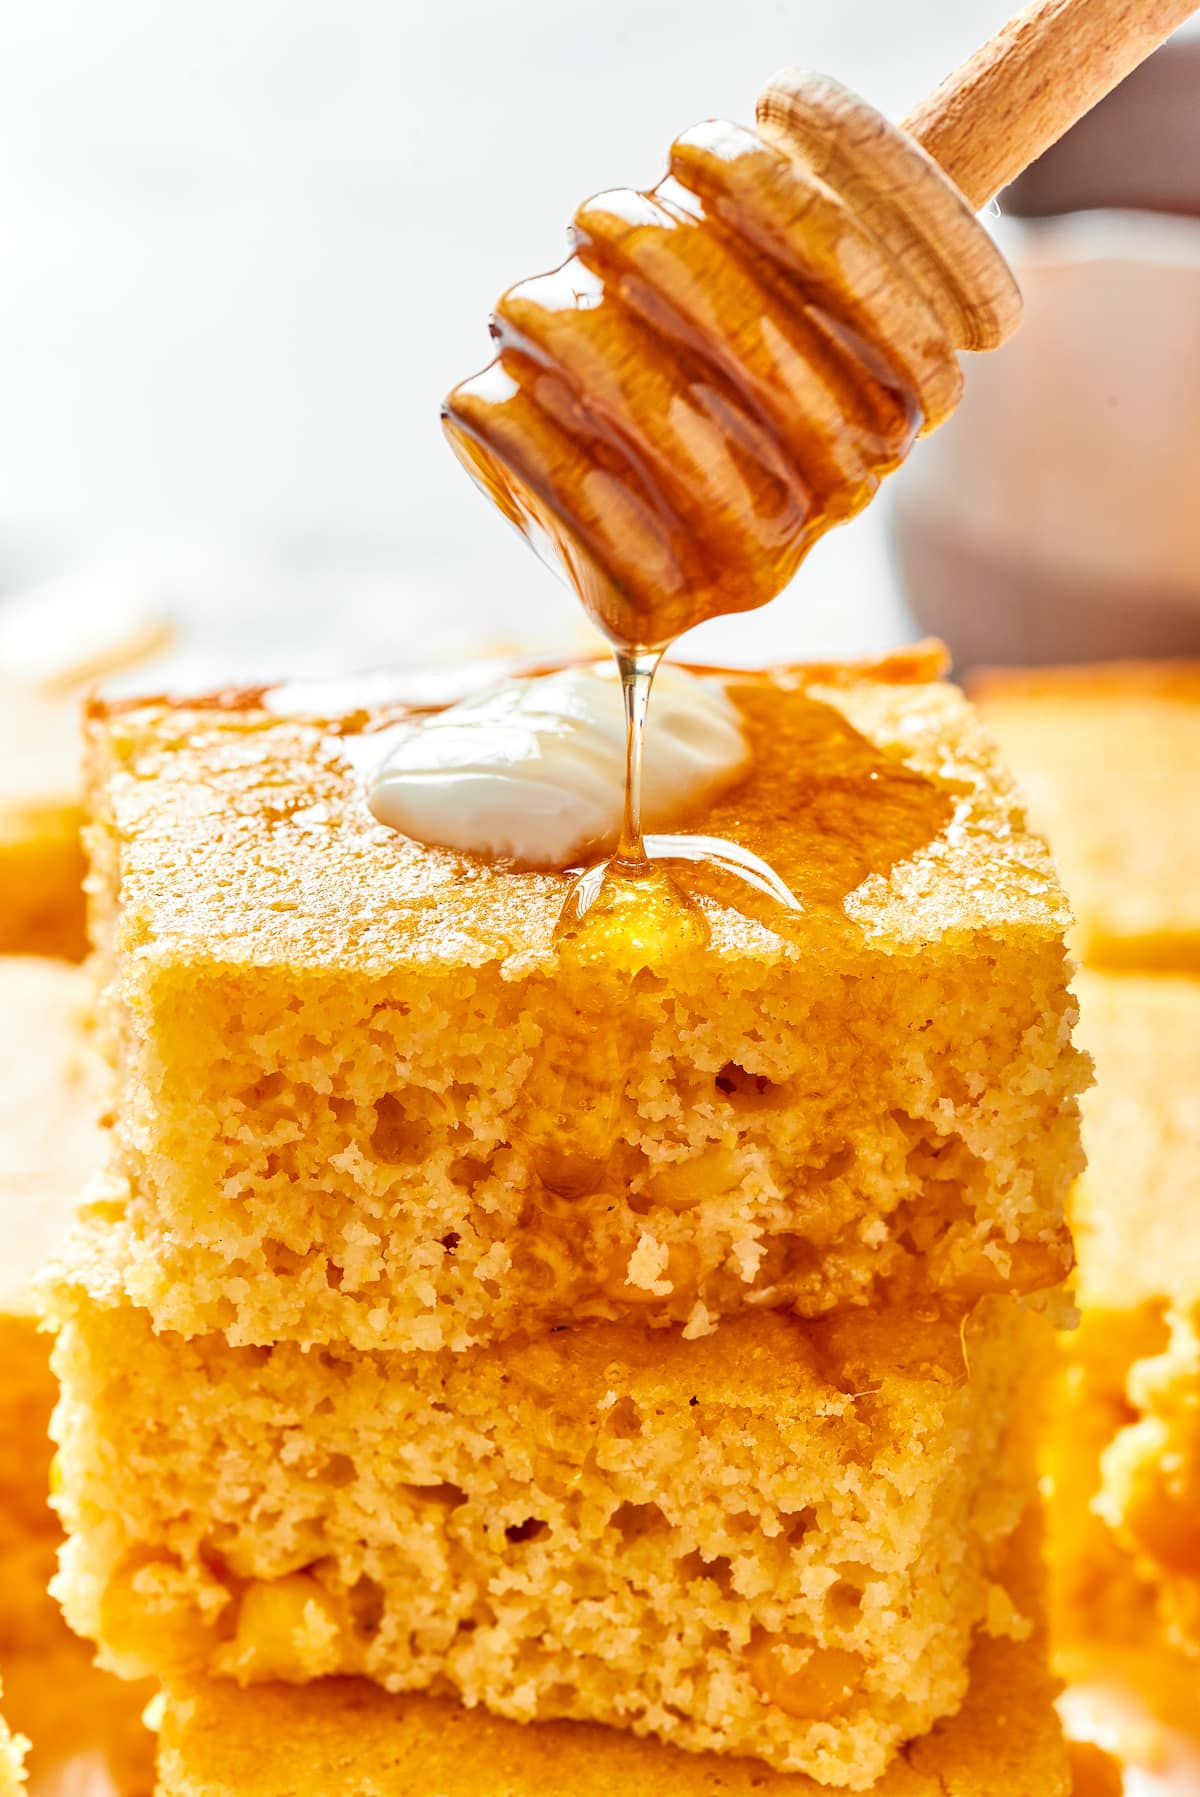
x=723 y=368
x=902 y=196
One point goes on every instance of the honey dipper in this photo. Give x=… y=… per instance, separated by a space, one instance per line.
x=728 y=364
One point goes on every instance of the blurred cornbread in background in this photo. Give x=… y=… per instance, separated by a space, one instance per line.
x=1138 y=1281
x=12 y=1754
x=1109 y=757
x=55 y=642
x=51 y=1094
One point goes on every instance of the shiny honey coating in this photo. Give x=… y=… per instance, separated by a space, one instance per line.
x=727 y=364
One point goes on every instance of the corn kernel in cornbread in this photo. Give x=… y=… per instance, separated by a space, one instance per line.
x=774 y=1540
x=345 y=1735
x=1109 y=758
x=50 y=1143
x=1124 y=1448
x=364 y=1099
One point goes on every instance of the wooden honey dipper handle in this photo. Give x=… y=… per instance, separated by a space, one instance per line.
x=1027 y=85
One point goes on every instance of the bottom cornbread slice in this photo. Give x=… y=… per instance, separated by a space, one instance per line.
x=346 y=1735
x=776 y=1540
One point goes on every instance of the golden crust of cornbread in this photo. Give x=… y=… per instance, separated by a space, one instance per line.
x=347 y=1736
x=1109 y=759
x=362 y=1099
x=775 y=1540
x=41 y=860
x=1124 y=1449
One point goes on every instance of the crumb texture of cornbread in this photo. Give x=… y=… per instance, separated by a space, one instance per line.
x=1109 y=759
x=348 y=1736
x=774 y=1540
x=363 y=1098
x=1124 y=1450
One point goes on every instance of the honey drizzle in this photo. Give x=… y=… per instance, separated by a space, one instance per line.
x=680 y=410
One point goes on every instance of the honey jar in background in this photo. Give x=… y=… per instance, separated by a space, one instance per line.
x=1056 y=517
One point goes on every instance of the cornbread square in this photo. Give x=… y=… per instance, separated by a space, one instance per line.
x=347 y=1736
x=1109 y=758
x=364 y=1098
x=50 y=1145
x=776 y=1540
x=1124 y=1449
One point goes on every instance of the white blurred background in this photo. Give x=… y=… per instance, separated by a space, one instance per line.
x=246 y=245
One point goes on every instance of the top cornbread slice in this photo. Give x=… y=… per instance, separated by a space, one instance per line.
x=363 y=1097
x=1109 y=758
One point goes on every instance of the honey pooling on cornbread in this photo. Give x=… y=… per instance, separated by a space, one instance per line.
x=331 y=1118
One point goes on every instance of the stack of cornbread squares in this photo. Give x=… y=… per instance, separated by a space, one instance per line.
x=488 y=1368
x=1110 y=759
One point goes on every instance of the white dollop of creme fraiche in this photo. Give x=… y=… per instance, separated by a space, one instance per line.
x=534 y=768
